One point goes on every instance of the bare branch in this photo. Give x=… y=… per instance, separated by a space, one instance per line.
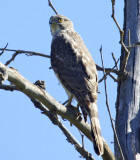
x=115 y=61
x=107 y=70
x=82 y=136
x=115 y=80
x=107 y=104
x=28 y=53
x=50 y=4
x=127 y=52
x=113 y=16
x=12 y=59
x=4 y=49
x=105 y=75
x=133 y=45
x=56 y=121
x=69 y=113
x=8 y=87
x=17 y=52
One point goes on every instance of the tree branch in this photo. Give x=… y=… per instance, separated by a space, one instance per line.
x=50 y=4
x=4 y=49
x=127 y=51
x=33 y=92
x=105 y=75
x=12 y=59
x=56 y=121
x=107 y=104
x=116 y=63
x=8 y=87
x=17 y=52
x=28 y=53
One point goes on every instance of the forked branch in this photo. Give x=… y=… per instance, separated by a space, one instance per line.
x=127 y=51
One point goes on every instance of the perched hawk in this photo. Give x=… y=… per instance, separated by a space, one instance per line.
x=76 y=71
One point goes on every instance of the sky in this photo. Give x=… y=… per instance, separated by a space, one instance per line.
x=25 y=132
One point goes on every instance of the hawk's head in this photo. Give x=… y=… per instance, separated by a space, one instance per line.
x=58 y=23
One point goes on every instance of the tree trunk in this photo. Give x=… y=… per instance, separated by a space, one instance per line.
x=128 y=99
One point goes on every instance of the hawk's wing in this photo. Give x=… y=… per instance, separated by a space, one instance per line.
x=73 y=63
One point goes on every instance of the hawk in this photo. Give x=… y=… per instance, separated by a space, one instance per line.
x=76 y=71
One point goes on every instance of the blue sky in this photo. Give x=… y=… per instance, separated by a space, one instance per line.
x=25 y=132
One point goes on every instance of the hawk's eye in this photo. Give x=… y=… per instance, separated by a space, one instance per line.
x=60 y=19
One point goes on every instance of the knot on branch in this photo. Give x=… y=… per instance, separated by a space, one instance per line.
x=123 y=75
x=40 y=84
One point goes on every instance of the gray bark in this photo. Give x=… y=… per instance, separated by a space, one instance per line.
x=128 y=99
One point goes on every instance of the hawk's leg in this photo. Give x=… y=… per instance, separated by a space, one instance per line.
x=69 y=100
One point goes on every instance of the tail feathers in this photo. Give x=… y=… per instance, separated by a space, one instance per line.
x=95 y=130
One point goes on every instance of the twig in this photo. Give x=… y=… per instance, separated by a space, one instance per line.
x=107 y=69
x=50 y=4
x=17 y=52
x=12 y=59
x=127 y=52
x=115 y=80
x=133 y=45
x=82 y=136
x=8 y=87
x=4 y=49
x=28 y=53
x=113 y=16
x=115 y=61
x=107 y=104
x=105 y=75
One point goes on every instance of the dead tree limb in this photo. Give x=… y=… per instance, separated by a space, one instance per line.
x=34 y=92
x=127 y=52
x=56 y=121
x=4 y=49
x=8 y=87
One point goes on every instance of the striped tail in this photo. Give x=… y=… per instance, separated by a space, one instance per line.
x=95 y=129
